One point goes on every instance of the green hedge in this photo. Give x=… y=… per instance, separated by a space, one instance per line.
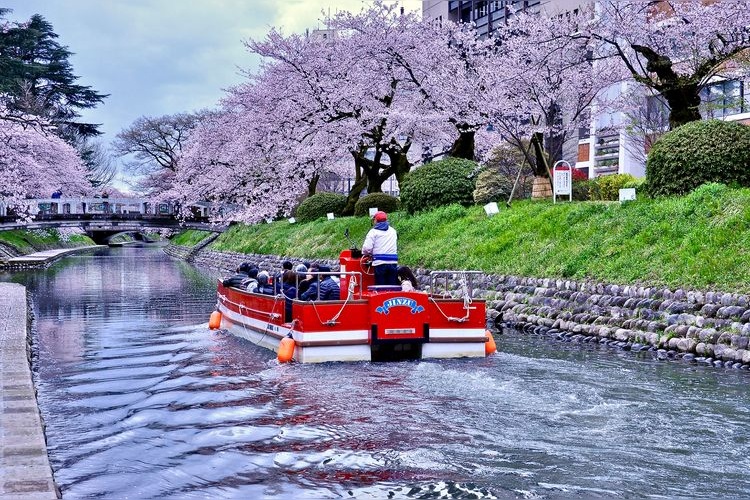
x=438 y=184
x=698 y=153
x=382 y=201
x=607 y=187
x=320 y=204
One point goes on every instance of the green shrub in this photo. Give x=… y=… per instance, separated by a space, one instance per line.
x=382 y=201
x=492 y=185
x=697 y=153
x=636 y=183
x=320 y=204
x=607 y=187
x=582 y=190
x=439 y=183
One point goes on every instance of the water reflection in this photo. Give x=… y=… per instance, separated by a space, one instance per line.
x=141 y=401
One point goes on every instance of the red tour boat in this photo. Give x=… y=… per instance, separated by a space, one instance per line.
x=367 y=323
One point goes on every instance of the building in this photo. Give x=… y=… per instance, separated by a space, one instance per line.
x=486 y=14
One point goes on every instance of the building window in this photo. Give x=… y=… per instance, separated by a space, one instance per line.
x=723 y=99
x=481 y=10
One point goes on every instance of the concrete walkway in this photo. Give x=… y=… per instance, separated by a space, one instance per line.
x=41 y=259
x=25 y=472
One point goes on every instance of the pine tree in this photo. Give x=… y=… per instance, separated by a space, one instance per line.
x=36 y=77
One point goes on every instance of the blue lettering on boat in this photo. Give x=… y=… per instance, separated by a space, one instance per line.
x=400 y=302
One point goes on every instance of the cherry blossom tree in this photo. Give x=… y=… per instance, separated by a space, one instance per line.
x=357 y=87
x=541 y=83
x=34 y=162
x=673 y=47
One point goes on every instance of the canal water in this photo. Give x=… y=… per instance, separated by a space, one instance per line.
x=142 y=401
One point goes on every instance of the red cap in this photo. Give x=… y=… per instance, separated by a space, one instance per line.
x=380 y=216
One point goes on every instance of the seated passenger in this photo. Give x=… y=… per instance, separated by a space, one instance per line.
x=407 y=279
x=240 y=276
x=324 y=289
x=277 y=278
x=264 y=283
x=304 y=284
x=252 y=280
x=288 y=283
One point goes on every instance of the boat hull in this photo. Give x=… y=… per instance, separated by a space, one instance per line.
x=379 y=326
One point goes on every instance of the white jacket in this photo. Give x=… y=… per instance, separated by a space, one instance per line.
x=381 y=245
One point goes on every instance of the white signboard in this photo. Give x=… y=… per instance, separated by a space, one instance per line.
x=373 y=211
x=491 y=209
x=627 y=194
x=330 y=216
x=562 y=180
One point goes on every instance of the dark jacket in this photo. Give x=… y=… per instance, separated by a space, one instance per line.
x=329 y=290
x=236 y=280
x=289 y=290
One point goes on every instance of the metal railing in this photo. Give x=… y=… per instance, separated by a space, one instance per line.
x=460 y=280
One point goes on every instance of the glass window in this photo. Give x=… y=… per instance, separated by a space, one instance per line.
x=722 y=99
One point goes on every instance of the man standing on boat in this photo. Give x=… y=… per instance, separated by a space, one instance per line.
x=381 y=245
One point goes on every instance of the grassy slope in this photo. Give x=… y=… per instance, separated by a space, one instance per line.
x=189 y=237
x=701 y=240
x=32 y=241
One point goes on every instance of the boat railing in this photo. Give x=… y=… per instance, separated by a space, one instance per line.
x=355 y=281
x=449 y=284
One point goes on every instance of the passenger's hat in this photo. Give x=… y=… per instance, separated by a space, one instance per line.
x=380 y=216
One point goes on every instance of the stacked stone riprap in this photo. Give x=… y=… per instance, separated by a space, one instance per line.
x=710 y=327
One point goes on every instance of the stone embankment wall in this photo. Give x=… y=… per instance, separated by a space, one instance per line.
x=709 y=327
x=705 y=326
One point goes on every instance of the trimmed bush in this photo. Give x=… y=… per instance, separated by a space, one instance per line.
x=607 y=187
x=439 y=183
x=320 y=204
x=697 y=153
x=492 y=185
x=382 y=201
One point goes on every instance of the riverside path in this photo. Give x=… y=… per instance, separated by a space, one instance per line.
x=25 y=471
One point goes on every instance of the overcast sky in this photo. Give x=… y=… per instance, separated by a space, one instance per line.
x=156 y=57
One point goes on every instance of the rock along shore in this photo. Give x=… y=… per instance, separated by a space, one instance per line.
x=706 y=327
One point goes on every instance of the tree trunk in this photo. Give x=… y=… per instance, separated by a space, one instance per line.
x=401 y=166
x=360 y=180
x=541 y=167
x=463 y=147
x=684 y=105
x=312 y=186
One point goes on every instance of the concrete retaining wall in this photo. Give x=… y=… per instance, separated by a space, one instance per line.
x=24 y=466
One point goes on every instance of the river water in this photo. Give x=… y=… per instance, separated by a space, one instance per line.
x=142 y=401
